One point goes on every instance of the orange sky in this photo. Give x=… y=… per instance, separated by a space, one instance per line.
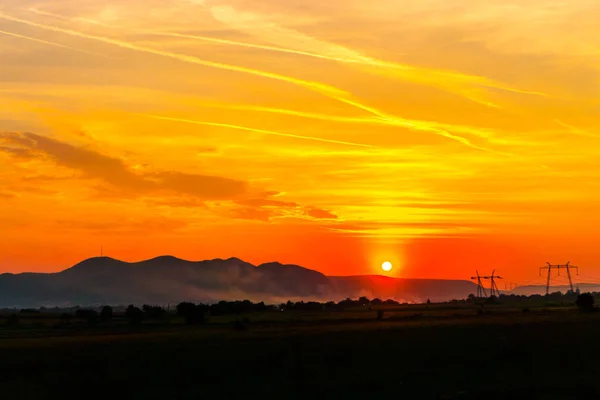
x=442 y=136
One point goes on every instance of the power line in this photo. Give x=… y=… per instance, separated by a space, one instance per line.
x=493 y=287
x=480 y=288
x=481 y=292
x=558 y=267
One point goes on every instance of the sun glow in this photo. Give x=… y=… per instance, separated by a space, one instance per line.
x=386 y=266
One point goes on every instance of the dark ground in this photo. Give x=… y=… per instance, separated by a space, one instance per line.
x=553 y=355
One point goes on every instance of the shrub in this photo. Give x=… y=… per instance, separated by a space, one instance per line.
x=153 y=312
x=585 y=302
x=90 y=316
x=106 y=314
x=192 y=313
x=239 y=325
x=65 y=318
x=134 y=315
x=379 y=314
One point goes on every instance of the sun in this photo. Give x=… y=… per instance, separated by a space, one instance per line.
x=386 y=266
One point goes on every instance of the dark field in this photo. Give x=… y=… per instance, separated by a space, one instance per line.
x=413 y=353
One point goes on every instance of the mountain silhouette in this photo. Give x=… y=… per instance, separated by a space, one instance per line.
x=167 y=279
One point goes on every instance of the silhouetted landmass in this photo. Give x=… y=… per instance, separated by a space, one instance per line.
x=528 y=290
x=162 y=280
x=473 y=348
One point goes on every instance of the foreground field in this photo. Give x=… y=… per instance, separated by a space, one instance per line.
x=550 y=354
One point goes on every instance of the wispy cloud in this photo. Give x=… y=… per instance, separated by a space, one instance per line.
x=115 y=172
x=327 y=90
x=62 y=46
x=262 y=131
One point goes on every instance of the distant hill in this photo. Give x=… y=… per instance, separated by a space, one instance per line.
x=167 y=279
x=541 y=289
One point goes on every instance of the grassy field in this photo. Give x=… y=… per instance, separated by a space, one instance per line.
x=415 y=352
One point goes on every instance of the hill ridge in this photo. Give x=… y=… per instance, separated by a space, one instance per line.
x=167 y=278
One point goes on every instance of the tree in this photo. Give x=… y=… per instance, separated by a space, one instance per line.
x=376 y=302
x=154 y=312
x=106 y=313
x=585 y=302
x=90 y=316
x=363 y=301
x=134 y=315
x=192 y=313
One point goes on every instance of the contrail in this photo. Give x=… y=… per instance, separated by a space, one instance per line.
x=330 y=91
x=415 y=125
x=62 y=46
x=472 y=79
x=575 y=130
x=304 y=114
x=402 y=70
x=260 y=47
x=62 y=17
x=377 y=119
x=266 y=132
x=322 y=88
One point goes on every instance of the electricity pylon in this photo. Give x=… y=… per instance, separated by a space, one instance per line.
x=558 y=267
x=493 y=287
x=480 y=288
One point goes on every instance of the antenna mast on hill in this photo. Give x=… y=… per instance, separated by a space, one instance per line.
x=494 y=291
x=550 y=267
x=480 y=289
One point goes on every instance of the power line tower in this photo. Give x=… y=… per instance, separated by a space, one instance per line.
x=494 y=291
x=480 y=289
x=558 y=267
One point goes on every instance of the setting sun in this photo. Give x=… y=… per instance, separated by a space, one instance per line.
x=386 y=266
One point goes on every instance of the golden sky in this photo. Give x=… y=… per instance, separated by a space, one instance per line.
x=443 y=136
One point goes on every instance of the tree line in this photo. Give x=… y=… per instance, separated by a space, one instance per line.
x=198 y=313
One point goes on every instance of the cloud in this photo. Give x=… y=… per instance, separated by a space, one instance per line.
x=315 y=86
x=47 y=42
x=4 y=195
x=115 y=172
x=266 y=208
x=191 y=190
x=262 y=131
x=320 y=214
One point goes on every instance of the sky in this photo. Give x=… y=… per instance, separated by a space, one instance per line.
x=444 y=137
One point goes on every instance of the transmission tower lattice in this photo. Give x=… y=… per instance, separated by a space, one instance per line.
x=494 y=291
x=558 y=267
x=480 y=289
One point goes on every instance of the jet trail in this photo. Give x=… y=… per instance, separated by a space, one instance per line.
x=62 y=17
x=364 y=60
x=404 y=71
x=266 y=132
x=415 y=125
x=329 y=91
x=377 y=119
x=575 y=130
x=322 y=88
x=304 y=114
x=62 y=46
